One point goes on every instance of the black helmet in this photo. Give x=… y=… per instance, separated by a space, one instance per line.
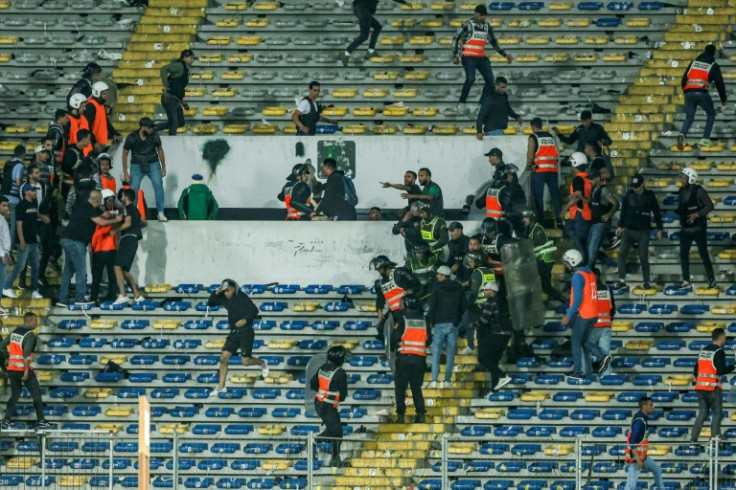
x=336 y=355
x=420 y=206
x=90 y=69
x=420 y=248
x=380 y=262
x=475 y=256
x=489 y=226
x=528 y=212
x=411 y=302
x=296 y=170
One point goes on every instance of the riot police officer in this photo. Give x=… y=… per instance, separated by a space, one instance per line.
x=409 y=339
x=92 y=73
x=434 y=232
x=423 y=266
x=543 y=249
x=297 y=194
x=393 y=283
x=331 y=385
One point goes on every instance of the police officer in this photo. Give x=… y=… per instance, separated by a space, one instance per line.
x=543 y=250
x=331 y=385
x=393 y=283
x=693 y=208
x=96 y=114
x=409 y=338
x=309 y=112
x=458 y=246
x=478 y=274
x=409 y=227
x=434 y=232
x=636 y=447
x=709 y=370
x=423 y=266
x=91 y=74
x=542 y=160
x=494 y=331
x=495 y=236
x=22 y=343
x=297 y=195
x=57 y=132
x=578 y=226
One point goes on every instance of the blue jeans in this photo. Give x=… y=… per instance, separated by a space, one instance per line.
x=470 y=64
x=30 y=253
x=597 y=232
x=601 y=338
x=577 y=229
x=75 y=263
x=12 y=203
x=154 y=173
x=693 y=99
x=633 y=471
x=582 y=349
x=441 y=334
x=495 y=132
x=549 y=179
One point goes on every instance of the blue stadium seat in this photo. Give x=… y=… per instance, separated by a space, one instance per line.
x=143 y=378
x=632 y=309
x=231 y=482
x=493 y=448
x=647 y=379
x=624 y=362
x=61 y=342
x=607 y=431
x=475 y=431
x=219 y=412
x=72 y=324
x=314 y=344
x=176 y=377
x=430 y=484
x=257 y=448
x=674 y=432
x=498 y=484
x=466 y=483
x=680 y=415
x=64 y=393
x=680 y=327
x=503 y=396
x=352 y=289
x=82 y=359
x=194 y=325
x=238 y=429
x=252 y=412
x=199 y=482
x=510 y=466
x=564 y=363
x=616 y=414
x=210 y=360
x=183 y=412
x=614 y=379
x=526 y=449
x=293 y=325
x=296 y=394
x=325 y=325
x=554 y=327
x=541 y=431
x=553 y=414
x=144 y=359
x=131 y=392
x=123 y=343
x=590 y=6
x=206 y=429
x=531 y=6
x=318 y=289
x=567 y=396
x=189 y=288
x=358 y=326
x=50 y=359
x=286 y=412
x=508 y=431
x=337 y=306
x=175 y=359
x=656 y=362
x=146 y=305
x=75 y=376
x=574 y=431
x=521 y=413
x=225 y=447
x=649 y=327
x=155 y=343
x=675 y=291
x=272 y=306
x=86 y=411
x=92 y=343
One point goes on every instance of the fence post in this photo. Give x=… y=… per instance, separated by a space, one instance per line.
x=444 y=461
x=714 y=455
x=110 y=475
x=43 y=459
x=176 y=459
x=578 y=463
x=310 y=460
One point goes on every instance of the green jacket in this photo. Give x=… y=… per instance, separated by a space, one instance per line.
x=197 y=203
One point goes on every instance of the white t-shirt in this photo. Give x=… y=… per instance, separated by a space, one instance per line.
x=304 y=106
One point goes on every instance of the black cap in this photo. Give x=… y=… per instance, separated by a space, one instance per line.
x=586 y=115
x=494 y=152
x=637 y=181
x=186 y=53
x=536 y=122
x=481 y=9
x=455 y=225
x=145 y=122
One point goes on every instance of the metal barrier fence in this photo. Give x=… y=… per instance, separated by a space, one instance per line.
x=56 y=459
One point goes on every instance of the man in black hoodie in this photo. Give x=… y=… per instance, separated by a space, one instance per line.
x=696 y=80
x=175 y=77
x=333 y=203
x=364 y=10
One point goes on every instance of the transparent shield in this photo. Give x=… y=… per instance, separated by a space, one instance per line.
x=524 y=288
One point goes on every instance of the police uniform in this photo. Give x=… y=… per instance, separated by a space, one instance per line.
x=331 y=385
x=298 y=202
x=435 y=234
x=390 y=290
x=709 y=370
x=425 y=272
x=410 y=339
x=545 y=171
x=543 y=249
x=21 y=343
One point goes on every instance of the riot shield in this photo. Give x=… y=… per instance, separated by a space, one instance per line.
x=388 y=328
x=523 y=285
x=313 y=366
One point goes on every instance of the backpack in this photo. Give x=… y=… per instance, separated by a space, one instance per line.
x=7 y=183
x=350 y=195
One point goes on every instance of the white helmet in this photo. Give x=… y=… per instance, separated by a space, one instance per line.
x=107 y=193
x=76 y=101
x=98 y=88
x=691 y=174
x=578 y=159
x=573 y=257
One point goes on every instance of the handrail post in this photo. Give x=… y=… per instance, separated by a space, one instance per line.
x=444 y=461
x=310 y=460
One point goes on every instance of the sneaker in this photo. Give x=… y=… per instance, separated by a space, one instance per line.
x=121 y=300
x=620 y=284
x=9 y=293
x=5 y=425
x=575 y=376
x=368 y=55
x=264 y=371
x=446 y=385
x=680 y=142
x=502 y=382
x=420 y=418
x=605 y=362
x=712 y=284
x=43 y=424
x=36 y=295
x=216 y=391
x=400 y=418
x=139 y=299
x=705 y=142
x=646 y=285
x=467 y=351
x=433 y=385
x=344 y=58
x=62 y=304
x=162 y=217
x=686 y=285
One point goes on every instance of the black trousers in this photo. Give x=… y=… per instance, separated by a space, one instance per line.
x=16 y=384
x=545 y=275
x=366 y=21
x=174 y=113
x=490 y=349
x=50 y=246
x=102 y=261
x=410 y=371
x=700 y=237
x=333 y=427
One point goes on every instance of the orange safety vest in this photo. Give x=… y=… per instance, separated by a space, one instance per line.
x=493 y=204
x=99 y=125
x=494 y=263
x=414 y=340
x=75 y=124
x=102 y=241
x=642 y=447
x=293 y=213
x=547 y=156
x=698 y=76
x=108 y=182
x=475 y=46
x=15 y=363
x=707 y=379
x=587 y=188
x=324 y=394
x=392 y=292
x=604 y=308
x=589 y=306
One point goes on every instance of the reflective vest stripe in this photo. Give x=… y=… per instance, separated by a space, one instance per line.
x=427 y=230
x=604 y=309
x=487 y=275
x=546 y=248
x=414 y=340
x=698 y=76
x=324 y=394
x=587 y=188
x=392 y=293
x=16 y=357
x=497 y=266
x=546 y=158
x=589 y=306
x=707 y=378
x=493 y=204
x=641 y=448
x=99 y=125
x=475 y=46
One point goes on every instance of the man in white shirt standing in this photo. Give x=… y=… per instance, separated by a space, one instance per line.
x=309 y=112
x=5 y=243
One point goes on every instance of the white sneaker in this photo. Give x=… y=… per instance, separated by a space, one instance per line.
x=162 y=217
x=139 y=299
x=446 y=385
x=121 y=300
x=264 y=371
x=36 y=295
x=433 y=385
x=216 y=391
x=467 y=351
x=9 y=293
x=502 y=382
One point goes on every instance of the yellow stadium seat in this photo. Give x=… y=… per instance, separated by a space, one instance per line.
x=395 y=111
x=717 y=147
x=275 y=465
x=727 y=166
x=615 y=57
x=354 y=129
x=511 y=130
x=722 y=218
x=470 y=5
x=469 y=129
x=625 y=40
x=527 y=58
x=507 y=41
x=560 y=6
x=638 y=345
x=386 y=75
x=97 y=393
x=458 y=22
x=210 y=58
x=597 y=40
x=258 y=23
x=421 y=40
x=535 y=396
x=461 y=448
x=157 y=288
x=414 y=6
x=45 y=376
x=228 y=23
x=567 y=40
x=489 y=413
x=205 y=129
x=195 y=92
x=103 y=324
x=621 y=326
x=534 y=40
x=271 y=430
x=344 y=93
x=724 y=310
x=405 y=93
x=218 y=111
x=335 y=111
x=76 y=481
x=416 y=75
x=240 y=58
x=166 y=324
x=598 y=396
x=384 y=129
x=371 y=307
x=109 y=427
x=425 y=111
x=203 y=75
x=248 y=40
x=641 y=291
x=219 y=40
x=386 y=58
x=266 y=6
x=686 y=148
x=638 y=22
x=171 y=428
x=701 y=165
x=393 y=40
x=234 y=129
x=237 y=5
x=274 y=111
x=9 y=40
x=305 y=306
x=414 y=129
x=557 y=58
x=578 y=22
x=119 y=411
x=559 y=449
x=265 y=128
x=375 y=93
x=8 y=145
x=5 y=57
x=412 y=58
x=432 y=23
x=551 y=22
x=443 y=5
x=224 y=92
x=4 y=4
x=585 y=57
x=403 y=23
x=719 y=182
x=232 y=75
x=18 y=129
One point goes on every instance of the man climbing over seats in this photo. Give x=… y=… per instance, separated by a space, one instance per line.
x=174 y=78
x=693 y=208
x=393 y=283
x=364 y=11
x=331 y=386
x=309 y=112
x=709 y=370
x=22 y=343
x=636 y=448
x=473 y=36
x=586 y=131
x=241 y=311
x=409 y=339
x=696 y=80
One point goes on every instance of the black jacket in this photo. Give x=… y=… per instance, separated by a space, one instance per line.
x=239 y=307
x=300 y=194
x=714 y=76
x=404 y=279
x=719 y=361
x=447 y=303
x=583 y=135
x=494 y=318
x=494 y=112
x=333 y=203
x=339 y=381
x=636 y=211
x=458 y=249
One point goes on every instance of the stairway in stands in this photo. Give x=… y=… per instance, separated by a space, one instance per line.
x=163 y=32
